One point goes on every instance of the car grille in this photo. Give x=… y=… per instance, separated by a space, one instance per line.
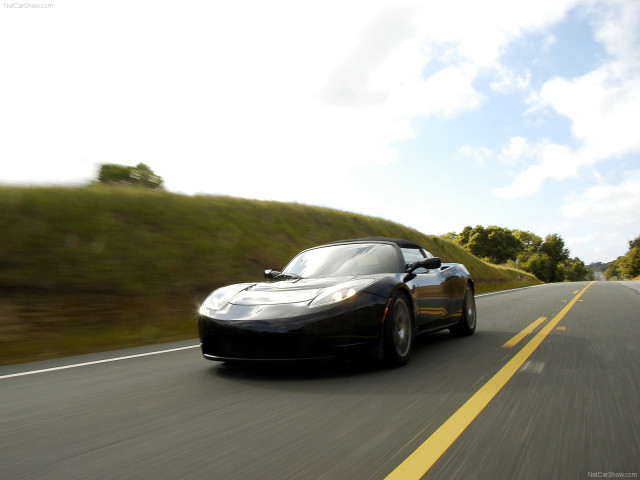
x=263 y=346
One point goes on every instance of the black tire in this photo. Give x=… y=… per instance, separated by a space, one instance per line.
x=398 y=332
x=467 y=324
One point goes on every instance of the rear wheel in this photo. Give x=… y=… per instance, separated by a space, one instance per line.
x=467 y=324
x=398 y=332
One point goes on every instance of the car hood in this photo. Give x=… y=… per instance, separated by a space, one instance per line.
x=285 y=291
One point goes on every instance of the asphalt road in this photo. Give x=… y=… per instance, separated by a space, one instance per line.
x=571 y=410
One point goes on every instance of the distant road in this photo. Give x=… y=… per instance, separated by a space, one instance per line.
x=599 y=276
x=570 y=409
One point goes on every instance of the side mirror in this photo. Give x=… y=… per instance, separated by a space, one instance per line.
x=430 y=263
x=271 y=274
x=427 y=263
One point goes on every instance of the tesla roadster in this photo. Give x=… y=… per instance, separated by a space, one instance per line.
x=365 y=296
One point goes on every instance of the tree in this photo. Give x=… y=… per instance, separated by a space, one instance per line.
x=630 y=263
x=504 y=244
x=627 y=266
x=554 y=248
x=463 y=236
x=140 y=175
x=613 y=272
x=494 y=243
x=477 y=243
x=451 y=236
x=540 y=265
x=113 y=173
x=530 y=241
x=575 y=270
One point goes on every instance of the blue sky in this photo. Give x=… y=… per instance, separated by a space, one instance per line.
x=433 y=114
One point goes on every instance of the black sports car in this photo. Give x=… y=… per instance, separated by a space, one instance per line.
x=366 y=296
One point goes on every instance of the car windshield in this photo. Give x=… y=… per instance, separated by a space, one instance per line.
x=338 y=260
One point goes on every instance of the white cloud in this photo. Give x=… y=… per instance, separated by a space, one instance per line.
x=603 y=112
x=610 y=216
x=518 y=149
x=554 y=161
x=479 y=31
x=589 y=237
x=447 y=92
x=616 y=27
x=602 y=105
x=508 y=81
x=477 y=153
x=377 y=62
x=611 y=205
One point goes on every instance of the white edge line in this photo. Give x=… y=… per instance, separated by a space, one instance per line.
x=497 y=292
x=96 y=362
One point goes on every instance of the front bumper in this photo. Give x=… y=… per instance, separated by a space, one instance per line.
x=294 y=331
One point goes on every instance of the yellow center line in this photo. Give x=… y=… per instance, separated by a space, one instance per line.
x=516 y=338
x=426 y=455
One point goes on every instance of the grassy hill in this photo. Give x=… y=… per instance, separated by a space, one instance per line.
x=93 y=268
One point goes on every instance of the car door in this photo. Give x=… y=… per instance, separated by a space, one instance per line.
x=430 y=292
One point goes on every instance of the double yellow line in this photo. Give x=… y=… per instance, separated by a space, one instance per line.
x=426 y=455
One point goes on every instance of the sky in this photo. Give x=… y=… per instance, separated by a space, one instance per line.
x=433 y=114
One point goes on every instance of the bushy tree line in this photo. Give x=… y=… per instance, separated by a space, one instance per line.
x=627 y=266
x=547 y=259
x=140 y=175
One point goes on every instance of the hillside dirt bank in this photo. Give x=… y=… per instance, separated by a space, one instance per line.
x=49 y=325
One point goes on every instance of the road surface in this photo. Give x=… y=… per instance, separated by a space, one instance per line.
x=560 y=401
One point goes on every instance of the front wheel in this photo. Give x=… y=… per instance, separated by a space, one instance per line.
x=398 y=332
x=467 y=324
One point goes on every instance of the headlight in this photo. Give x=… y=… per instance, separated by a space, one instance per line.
x=218 y=299
x=340 y=292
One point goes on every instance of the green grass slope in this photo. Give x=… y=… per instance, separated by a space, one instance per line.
x=93 y=268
